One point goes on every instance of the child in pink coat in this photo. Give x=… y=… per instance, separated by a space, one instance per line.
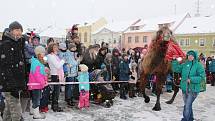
x=37 y=80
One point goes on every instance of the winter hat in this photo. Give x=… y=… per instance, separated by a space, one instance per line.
x=103 y=66
x=15 y=25
x=36 y=36
x=62 y=46
x=71 y=45
x=103 y=48
x=83 y=67
x=108 y=55
x=39 y=49
x=96 y=46
x=133 y=65
x=123 y=55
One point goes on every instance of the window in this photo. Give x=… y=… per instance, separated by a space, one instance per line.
x=129 y=39
x=202 y=42
x=144 y=39
x=79 y=36
x=214 y=43
x=187 y=42
x=85 y=37
x=136 y=39
x=135 y=28
x=95 y=41
x=114 y=41
x=182 y=42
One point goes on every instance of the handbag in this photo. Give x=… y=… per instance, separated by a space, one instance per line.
x=203 y=85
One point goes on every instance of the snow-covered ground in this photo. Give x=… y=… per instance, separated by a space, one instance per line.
x=136 y=110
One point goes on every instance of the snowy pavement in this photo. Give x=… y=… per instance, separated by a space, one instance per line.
x=136 y=110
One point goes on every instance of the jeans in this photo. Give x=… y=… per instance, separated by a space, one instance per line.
x=45 y=97
x=13 y=110
x=123 y=90
x=69 y=88
x=56 y=90
x=36 y=96
x=188 y=98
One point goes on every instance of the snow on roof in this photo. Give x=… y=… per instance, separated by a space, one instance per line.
x=117 y=26
x=151 y=24
x=197 y=25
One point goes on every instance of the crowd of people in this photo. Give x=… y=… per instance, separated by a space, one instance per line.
x=26 y=68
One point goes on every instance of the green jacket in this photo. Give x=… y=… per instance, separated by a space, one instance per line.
x=195 y=72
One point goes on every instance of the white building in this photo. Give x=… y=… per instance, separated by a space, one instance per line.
x=111 y=33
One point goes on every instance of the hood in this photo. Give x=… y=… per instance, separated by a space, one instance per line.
x=194 y=53
x=7 y=34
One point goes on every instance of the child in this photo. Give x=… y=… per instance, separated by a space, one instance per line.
x=71 y=71
x=37 y=80
x=133 y=80
x=83 y=77
x=45 y=95
x=124 y=73
x=169 y=83
x=153 y=84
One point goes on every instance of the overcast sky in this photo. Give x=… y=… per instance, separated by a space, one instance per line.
x=64 y=13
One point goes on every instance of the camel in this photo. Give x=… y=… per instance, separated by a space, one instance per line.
x=155 y=62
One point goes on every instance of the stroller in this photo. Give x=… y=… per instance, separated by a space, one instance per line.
x=102 y=94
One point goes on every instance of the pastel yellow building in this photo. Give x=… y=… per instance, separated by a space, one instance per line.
x=1 y=33
x=85 y=31
x=197 y=34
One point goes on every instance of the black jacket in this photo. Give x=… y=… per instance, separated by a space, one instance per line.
x=12 y=64
x=99 y=60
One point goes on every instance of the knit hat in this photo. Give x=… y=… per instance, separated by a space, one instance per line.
x=83 y=68
x=15 y=25
x=36 y=36
x=71 y=45
x=134 y=65
x=123 y=55
x=62 y=46
x=103 y=48
x=39 y=49
x=103 y=66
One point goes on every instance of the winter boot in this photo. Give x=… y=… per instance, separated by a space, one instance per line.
x=70 y=103
x=31 y=112
x=37 y=114
x=56 y=108
x=130 y=94
x=44 y=109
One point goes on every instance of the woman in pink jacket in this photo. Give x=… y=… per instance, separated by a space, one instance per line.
x=37 y=80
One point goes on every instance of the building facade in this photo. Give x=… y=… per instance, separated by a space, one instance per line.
x=1 y=34
x=141 y=33
x=202 y=43
x=197 y=33
x=112 y=33
x=85 y=31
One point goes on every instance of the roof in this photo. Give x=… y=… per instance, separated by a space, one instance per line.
x=151 y=24
x=197 y=25
x=117 y=26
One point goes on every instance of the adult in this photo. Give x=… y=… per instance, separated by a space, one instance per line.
x=12 y=70
x=192 y=73
x=89 y=57
x=115 y=64
x=100 y=57
x=57 y=75
x=212 y=71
